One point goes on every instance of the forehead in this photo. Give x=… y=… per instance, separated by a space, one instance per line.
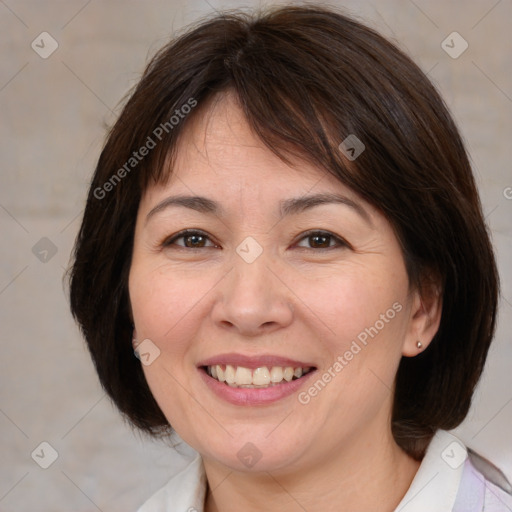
x=219 y=153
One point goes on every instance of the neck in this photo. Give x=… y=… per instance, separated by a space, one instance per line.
x=365 y=475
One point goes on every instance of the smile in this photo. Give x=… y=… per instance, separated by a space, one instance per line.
x=262 y=377
x=254 y=380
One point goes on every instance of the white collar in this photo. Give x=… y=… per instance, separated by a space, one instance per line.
x=434 y=487
x=185 y=491
x=437 y=481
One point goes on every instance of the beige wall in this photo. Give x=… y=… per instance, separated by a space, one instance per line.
x=53 y=116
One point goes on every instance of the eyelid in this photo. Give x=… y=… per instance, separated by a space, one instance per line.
x=168 y=241
x=341 y=242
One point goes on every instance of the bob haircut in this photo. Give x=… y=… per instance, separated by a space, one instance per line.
x=306 y=78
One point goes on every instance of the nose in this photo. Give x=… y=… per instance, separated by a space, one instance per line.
x=253 y=300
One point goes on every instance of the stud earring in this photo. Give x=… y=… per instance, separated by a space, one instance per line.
x=419 y=344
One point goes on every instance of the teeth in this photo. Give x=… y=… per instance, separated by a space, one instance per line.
x=239 y=376
x=288 y=373
x=276 y=374
x=261 y=377
x=243 y=376
x=229 y=374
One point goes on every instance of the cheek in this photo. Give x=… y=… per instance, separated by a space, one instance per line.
x=352 y=303
x=364 y=317
x=165 y=308
x=164 y=303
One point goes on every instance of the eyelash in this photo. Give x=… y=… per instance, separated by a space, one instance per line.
x=308 y=234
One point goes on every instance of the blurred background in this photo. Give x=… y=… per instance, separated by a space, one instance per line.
x=65 y=67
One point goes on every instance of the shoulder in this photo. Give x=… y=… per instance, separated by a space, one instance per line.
x=483 y=487
x=496 y=499
x=496 y=490
x=454 y=478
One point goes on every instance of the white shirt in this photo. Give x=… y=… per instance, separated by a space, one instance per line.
x=447 y=481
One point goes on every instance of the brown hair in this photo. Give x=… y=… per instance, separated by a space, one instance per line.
x=306 y=78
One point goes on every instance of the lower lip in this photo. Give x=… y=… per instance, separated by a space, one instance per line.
x=254 y=396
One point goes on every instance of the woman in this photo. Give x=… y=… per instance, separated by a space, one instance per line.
x=284 y=226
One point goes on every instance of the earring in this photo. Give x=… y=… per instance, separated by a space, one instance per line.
x=419 y=344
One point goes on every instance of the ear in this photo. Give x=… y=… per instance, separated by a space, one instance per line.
x=426 y=309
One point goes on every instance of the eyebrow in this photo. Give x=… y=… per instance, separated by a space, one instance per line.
x=197 y=203
x=299 y=204
x=291 y=206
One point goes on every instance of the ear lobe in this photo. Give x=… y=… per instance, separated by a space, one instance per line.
x=425 y=319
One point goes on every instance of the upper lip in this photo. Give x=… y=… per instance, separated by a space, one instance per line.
x=253 y=362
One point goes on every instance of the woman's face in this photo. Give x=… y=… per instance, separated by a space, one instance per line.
x=284 y=268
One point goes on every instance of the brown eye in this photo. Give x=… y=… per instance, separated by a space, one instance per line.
x=190 y=240
x=321 y=240
x=194 y=240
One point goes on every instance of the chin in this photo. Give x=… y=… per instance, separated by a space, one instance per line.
x=253 y=453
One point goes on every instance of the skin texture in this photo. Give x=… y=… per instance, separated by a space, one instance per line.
x=298 y=299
